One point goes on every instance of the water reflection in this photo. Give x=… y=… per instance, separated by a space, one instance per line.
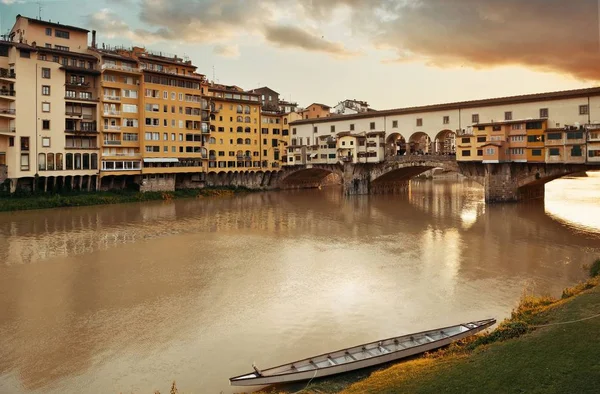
x=130 y=297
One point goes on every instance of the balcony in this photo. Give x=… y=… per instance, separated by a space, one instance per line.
x=7 y=111
x=212 y=157
x=8 y=92
x=112 y=113
x=8 y=130
x=83 y=127
x=80 y=98
x=108 y=97
x=128 y=69
x=82 y=85
x=111 y=128
x=112 y=142
x=7 y=74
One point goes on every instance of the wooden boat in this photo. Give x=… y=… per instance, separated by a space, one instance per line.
x=361 y=356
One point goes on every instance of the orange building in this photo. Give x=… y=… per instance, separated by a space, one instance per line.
x=316 y=110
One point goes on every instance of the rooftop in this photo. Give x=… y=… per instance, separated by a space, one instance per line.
x=53 y=24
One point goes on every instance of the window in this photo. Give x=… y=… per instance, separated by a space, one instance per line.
x=130 y=108
x=535 y=138
x=45 y=107
x=465 y=140
x=446 y=120
x=46 y=142
x=479 y=152
x=576 y=151
x=332 y=128
x=481 y=139
x=496 y=128
x=554 y=136
x=466 y=153
x=517 y=138
x=24 y=161
x=60 y=33
x=45 y=73
x=395 y=124
x=61 y=48
x=543 y=112
x=518 y=126
x=180 y=96
x=533 y=125
x=45 y=125
x=508 y=115
x=165 y=136
x=575 y=135
x=173 y=96
x=45 y=90
x=475 y=118
x=490 y=151
x=49 y=31
x=583 y=110
x=419 y=122
x=554 y=152
x=294 y=131
x=315 y=129
x=536 y=152
x=372 y=126
x=517 y=151
x=11 y=141
x=351 y=127
x=25 y=54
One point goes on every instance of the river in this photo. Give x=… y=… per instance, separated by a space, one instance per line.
x=128 y=298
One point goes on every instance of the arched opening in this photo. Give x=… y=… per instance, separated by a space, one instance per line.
x=395 y=145
x=445 y=143
x=419 y=144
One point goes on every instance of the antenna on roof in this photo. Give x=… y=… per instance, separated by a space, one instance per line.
x=39 y=10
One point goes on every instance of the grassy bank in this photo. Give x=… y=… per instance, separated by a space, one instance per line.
x=26 y=201
x=539 y=349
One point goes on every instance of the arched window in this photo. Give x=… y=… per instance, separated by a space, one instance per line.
x=213 y=117
x=284 y=120
x=239 y=154
x=212 y=140
x=247 y=120
x=78 y=161
x=50 y=162
x=42 y=162
x=240 y=129
x=240 y=119
x=247 y=109
x=59 y=161
x=239 y=109
x=248 y=154
x=204 y=127
x=86 y=161
x=94 y=161
x=240 y=141
x=69 y=161
x=247 y=130
x=248 y=142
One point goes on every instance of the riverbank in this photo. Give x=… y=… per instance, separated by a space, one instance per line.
x=22 y=202
x=536 y=350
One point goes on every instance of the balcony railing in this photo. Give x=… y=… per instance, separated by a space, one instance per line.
x=6 y=73
x=7 y=111
x=8 y=129
x=7 y=92
x=78 y=84
x=112 y=142
x=121 y=68
x=114 y=113
x=84 y=127
x=112 y=128
x=113 y=98
x=212 y=157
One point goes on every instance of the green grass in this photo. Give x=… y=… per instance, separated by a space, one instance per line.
x=517 y=357
x=27 y=201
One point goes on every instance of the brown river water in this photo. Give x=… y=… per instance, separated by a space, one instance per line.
x=127 y=298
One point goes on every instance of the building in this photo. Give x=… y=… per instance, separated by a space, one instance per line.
x=349 y=107
x=48 y=107
x=316 y=111
x=494 y=130
x=234 y=143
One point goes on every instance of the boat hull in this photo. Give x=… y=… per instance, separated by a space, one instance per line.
x=352 y=366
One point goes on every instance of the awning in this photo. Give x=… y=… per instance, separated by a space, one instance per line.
x=161 y=160
x=314 y=155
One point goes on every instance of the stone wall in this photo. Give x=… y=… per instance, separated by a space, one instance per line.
x=3 y=173
x=166 y=184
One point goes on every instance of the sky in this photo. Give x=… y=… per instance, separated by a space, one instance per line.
x=390 y=53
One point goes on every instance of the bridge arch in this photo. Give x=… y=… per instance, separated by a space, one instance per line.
x=419 y=143
x=311 y=176
x=445 y=143
x=395 y=145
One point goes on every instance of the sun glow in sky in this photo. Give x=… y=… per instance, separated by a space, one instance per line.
x=390 y=54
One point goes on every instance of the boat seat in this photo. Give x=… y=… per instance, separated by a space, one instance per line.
x=331 y=361
x=351 y=356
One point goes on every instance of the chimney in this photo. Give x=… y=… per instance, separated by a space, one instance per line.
x=93 y=38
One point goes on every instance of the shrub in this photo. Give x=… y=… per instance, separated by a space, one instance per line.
x=595 y=268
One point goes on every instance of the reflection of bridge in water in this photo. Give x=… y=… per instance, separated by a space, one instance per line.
x=503 y=182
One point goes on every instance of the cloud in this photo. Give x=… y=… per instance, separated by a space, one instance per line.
x=294 y=37
x=9 y=2
x=232 y=51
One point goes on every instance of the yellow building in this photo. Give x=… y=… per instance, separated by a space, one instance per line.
x=273 y=142
x=535 y=141
x=235 y=142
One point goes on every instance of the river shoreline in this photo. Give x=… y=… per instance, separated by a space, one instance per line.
x=534 y=337
x=24 y=202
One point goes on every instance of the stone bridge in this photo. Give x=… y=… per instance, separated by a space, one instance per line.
x=503 y=182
